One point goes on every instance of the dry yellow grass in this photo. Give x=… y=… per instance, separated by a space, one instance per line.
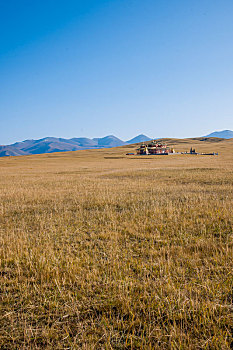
x=103 y=251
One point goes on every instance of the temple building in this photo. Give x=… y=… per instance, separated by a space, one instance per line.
x=154 y=148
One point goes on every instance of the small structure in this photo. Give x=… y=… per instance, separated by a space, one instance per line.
x=154 y=148
x=193 y=151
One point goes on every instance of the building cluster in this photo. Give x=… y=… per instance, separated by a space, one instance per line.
x=154 y=148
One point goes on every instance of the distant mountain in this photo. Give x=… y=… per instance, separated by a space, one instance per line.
x=83 y=142
x=224 y=134
x=139 y=138
x=10 y=151
x=109 y=141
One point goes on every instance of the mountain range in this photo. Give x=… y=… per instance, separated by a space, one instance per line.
x=54 y=144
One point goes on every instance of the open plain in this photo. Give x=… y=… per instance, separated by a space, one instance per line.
x=99 y=250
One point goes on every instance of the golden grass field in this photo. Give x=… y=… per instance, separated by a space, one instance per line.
x=99 y=250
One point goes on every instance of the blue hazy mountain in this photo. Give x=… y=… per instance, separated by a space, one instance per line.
x=224 y=134
x=109 y=141
x=139 y=138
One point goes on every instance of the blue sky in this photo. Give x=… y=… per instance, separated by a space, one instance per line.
x=123 y=67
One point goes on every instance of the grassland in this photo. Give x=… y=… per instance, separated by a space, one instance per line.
x=99 y=250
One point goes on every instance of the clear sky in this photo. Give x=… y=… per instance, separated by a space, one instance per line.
x=71 y=68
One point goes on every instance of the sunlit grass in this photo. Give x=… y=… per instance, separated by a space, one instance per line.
x=116 y=254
